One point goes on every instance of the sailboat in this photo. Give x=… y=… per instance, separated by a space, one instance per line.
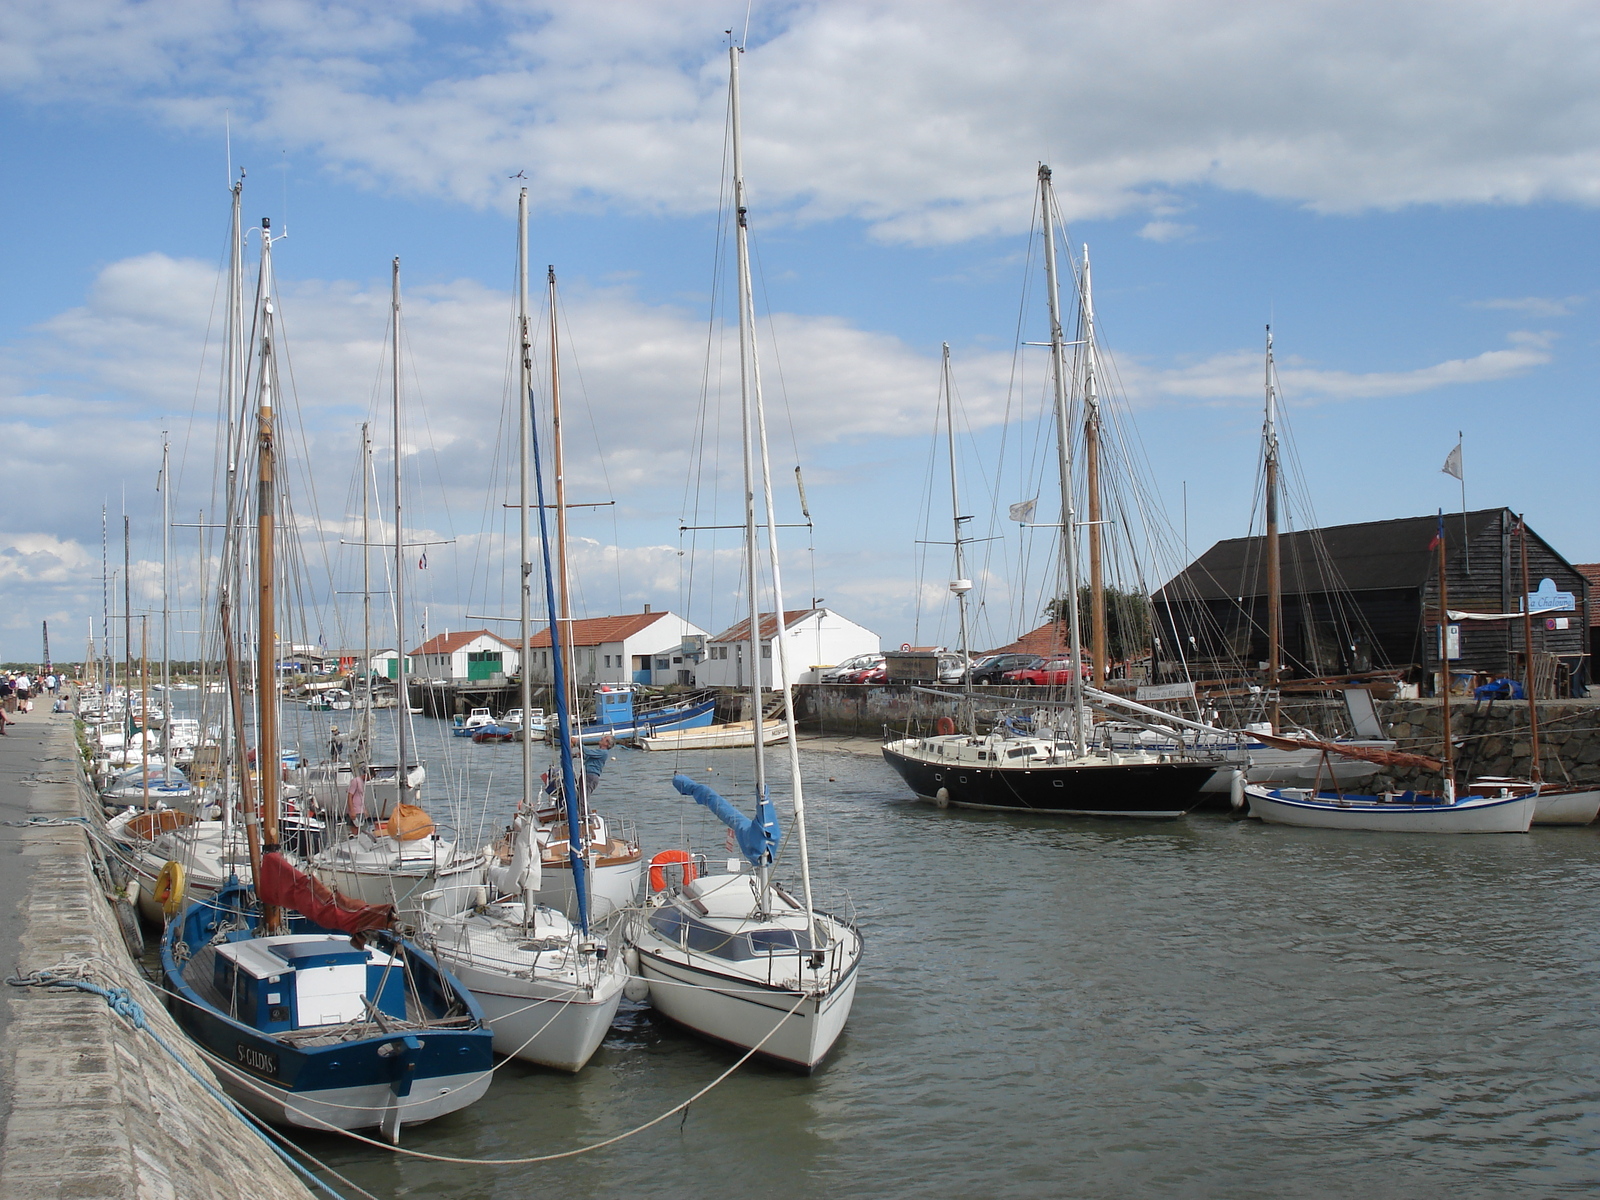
x=405 y=859
x=1057 y=771
x=1499 y=809
x=732 y=954
x=312 y=1012
x=548 y=987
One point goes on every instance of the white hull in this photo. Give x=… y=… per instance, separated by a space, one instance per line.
x=1567 y=808
x=360 y=1107
x=1473 y=814
x=743 y=1013
x=545 y=1022
x=735 y=736
x=441 y=890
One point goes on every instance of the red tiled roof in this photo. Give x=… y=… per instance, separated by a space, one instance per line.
x=741 y=631
x=1049 y=640
x=596 y=631
x=449 y=643
x=1591 y=572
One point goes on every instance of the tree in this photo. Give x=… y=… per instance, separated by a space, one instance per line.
x=1128 y=626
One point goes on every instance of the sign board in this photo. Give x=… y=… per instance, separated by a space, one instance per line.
x=1547 y=599
x=1554 y=623
x=1165 y=691
x=1452 y=641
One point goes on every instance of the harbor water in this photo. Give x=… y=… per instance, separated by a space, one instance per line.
x=1207 y=1007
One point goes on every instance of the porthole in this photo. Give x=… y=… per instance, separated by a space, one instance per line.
x=1060 y=783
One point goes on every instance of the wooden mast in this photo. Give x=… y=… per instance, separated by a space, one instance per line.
x=1444 y=671
x=524 y=552
x=269 y=757
x=1269 y=444
x=1534 y=773
x=1091 y=466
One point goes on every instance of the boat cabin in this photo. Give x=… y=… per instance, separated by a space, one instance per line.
x=306 y=981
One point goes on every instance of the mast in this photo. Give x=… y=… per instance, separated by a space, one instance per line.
x=403 y=716
x=269 y=757
x=1527 y=641
x=1444 y=671
x=105 y=608
x=525 y=551
x=559 y=459
x=234 y=373
x=166 y=607
x=755 y=423
x=960 y=585
x=1269 y=451
x=1091 y=464
x=127 y=617
x=364 y=738
x=1058 y=363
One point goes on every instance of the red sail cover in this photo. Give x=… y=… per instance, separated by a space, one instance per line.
x=282 y=885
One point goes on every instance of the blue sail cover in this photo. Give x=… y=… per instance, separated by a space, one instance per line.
x=759 y=837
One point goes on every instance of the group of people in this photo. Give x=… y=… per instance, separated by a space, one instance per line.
x=18 y=690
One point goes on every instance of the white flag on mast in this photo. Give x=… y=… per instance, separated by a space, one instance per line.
x=1023 y=510
x=1452 y=463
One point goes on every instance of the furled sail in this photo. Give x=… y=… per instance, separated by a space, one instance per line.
x=284 y=886
x=1371 y=754
x=759 y=837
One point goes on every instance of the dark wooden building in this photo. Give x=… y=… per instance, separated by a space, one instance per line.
x=1365 y=597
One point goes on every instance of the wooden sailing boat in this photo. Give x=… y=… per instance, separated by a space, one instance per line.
x=1504 y=810
x=303 y=1023
x=732 y=955
x=1059 y=772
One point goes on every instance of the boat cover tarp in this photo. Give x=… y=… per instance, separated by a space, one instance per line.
x=408 y=823
x=283 y=885
x=759 y=837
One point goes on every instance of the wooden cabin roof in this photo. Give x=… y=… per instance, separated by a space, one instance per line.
x=1369 y=556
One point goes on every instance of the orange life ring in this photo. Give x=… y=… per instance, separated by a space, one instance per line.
x=944 y=726
x=670 y=858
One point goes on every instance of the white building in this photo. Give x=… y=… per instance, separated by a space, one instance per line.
x=647 y=647
x=470 y=655
x=813 y=638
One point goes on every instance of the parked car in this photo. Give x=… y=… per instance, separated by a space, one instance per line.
x=952 y=668
x=877 y=674
x=851 y=666
x=1051 y=672
x=991 y=668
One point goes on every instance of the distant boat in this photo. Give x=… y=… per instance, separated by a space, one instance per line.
x=615 y=715
x=736 y=735
x=1397 y=812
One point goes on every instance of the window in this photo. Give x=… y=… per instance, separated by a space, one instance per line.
x=668 y=922
x=775 y=941
x=608 y=660
x=663 y=664
x=766 y=649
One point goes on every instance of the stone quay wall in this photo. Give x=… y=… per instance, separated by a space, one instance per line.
x=99 y=1109
x=1493 y=739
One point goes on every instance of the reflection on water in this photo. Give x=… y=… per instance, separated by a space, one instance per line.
x=1202 y=1008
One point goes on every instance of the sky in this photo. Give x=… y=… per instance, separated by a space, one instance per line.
x=1406 y=191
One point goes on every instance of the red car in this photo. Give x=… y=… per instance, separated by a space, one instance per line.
x=1051 y=671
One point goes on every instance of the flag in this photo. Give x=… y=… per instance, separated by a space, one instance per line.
x=1023 y=510
x=422 y=563
x=1452 y=463
x=1438 y=538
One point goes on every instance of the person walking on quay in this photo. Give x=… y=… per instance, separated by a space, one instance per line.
x=355 y=801
x=8 y=694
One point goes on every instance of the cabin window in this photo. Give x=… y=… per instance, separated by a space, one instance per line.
x=668 y=922
x=778 y=941
x=716 y=942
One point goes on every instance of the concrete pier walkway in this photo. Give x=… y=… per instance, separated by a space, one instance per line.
x=94 y=1107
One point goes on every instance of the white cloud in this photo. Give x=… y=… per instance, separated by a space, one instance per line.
x=922 y=117
x=1165 y=231
x=1236 y=375
x=1533 y=306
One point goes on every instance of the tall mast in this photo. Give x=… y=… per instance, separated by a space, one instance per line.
x=755 y=422
x=559 y=460
x=105 y=607
x=364 y=738
x=525 y=549
x=1269 y=453
x=960 y=585
x=1058 y=364
x=1444 y=671
x=1527 y=641
x=166 y=606
x=268 y=755
x=1091 y=465
x=127 y=615
x=403 y=714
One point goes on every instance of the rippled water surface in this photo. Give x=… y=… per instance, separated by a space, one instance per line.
x=1203 y=1008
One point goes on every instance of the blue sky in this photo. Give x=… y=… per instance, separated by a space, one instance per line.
x=1409 y=199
